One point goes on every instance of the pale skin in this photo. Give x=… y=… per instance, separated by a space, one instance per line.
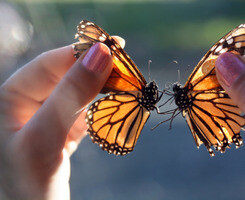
x=42 y=108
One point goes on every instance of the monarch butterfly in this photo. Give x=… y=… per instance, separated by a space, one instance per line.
x=211 y=115
x=115 y=121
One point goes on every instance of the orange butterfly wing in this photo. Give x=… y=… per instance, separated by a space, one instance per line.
x=234 y=42
x=115 y=121
x=125 y=75
x=213 y=118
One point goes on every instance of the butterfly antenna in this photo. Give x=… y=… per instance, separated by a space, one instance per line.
x=149 y=70
x=168 y=86
x=178 y=76
x=170 y=63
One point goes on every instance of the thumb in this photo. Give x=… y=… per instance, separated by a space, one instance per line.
x=230 y=71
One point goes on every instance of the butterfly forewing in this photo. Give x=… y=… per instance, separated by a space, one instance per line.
x=233 y=42
x=125 y=75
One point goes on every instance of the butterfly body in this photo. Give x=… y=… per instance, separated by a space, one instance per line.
x=150 y=96
x=181 y=97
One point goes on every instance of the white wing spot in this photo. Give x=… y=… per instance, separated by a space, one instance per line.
x=212 y=49
x=90 y=23
x=113 y=47
x=230 y=41
x=238 y=45
x=102 y=39
x=222 y=40
x=218 y=49
x=223 y=50
x=229 y=37
x=242 y=25
x=89 y=112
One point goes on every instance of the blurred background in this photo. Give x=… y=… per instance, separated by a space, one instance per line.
x=165 y=163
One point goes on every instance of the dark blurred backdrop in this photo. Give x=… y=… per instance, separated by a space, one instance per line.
x=165 y=163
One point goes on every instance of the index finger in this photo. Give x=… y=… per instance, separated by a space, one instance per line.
x=38 y=78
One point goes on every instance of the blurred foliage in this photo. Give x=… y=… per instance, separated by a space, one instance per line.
x=158 y=27
x=162 y=31
x=184 y=25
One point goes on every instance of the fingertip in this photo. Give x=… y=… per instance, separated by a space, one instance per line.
x=230 y=72
x=120 y=41
x=229 y=67
x=97 y=59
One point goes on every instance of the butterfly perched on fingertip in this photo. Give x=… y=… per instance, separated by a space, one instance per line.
x=213 y=118
x=116 y=120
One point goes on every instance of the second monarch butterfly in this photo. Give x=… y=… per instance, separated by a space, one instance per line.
x=115 y=121
x=213 y=118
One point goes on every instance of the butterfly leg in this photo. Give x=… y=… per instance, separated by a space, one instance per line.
x=174 y=114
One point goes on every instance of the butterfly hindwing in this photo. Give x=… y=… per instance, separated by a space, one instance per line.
x=115 y=121
x=217 y=119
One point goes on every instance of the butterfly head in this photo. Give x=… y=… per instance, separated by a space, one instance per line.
x=177 y=87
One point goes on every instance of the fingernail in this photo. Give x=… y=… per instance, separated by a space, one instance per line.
x=229 y=67
x=97 y=58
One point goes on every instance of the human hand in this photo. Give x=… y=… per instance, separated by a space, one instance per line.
x=230 y=71
x=42 y=108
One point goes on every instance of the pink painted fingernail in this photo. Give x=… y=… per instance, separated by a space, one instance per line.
x=97 y=58
x=229 y=67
